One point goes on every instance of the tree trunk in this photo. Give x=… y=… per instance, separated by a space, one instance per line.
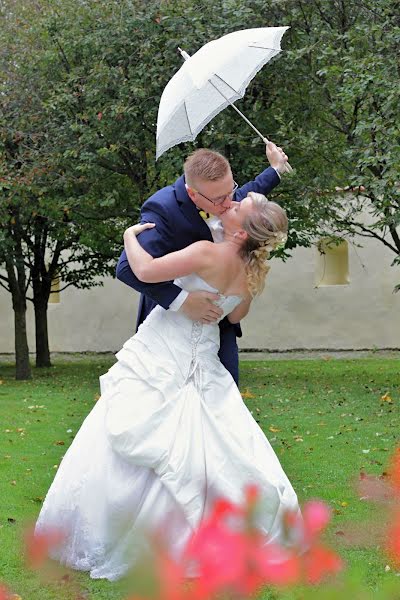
x=17 y=289
x=41 y=334
x=23 y=367
x=41 y=276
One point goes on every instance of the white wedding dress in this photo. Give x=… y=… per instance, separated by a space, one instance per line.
x=169 y=434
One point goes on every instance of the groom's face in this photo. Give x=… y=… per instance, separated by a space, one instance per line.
x=214 y=197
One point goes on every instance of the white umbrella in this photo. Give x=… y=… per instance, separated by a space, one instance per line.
x=215 y=76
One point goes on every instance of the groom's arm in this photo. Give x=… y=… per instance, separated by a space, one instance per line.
x=270 y=177
x=157 y=241
x=263 y=184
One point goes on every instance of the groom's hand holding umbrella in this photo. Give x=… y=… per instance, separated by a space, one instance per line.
x=276 y=157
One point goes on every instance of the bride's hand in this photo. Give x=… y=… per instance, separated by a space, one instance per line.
x=138 y=228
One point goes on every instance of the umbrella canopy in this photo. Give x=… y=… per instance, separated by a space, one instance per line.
x=217 y=75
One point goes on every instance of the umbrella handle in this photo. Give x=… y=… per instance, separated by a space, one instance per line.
x=288 y=167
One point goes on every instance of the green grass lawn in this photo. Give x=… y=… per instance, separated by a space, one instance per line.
x=325 y=418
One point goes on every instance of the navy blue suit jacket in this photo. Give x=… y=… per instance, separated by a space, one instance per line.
x=179 y=224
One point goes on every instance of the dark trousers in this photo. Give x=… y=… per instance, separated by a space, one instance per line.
x=229 y=353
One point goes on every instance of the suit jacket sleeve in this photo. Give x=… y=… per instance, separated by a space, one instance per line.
x=263 y=184
x=157 y=242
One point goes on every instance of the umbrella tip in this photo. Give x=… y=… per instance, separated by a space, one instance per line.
x=183 y=53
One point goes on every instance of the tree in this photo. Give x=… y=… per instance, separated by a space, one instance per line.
x=78 y=123
x=55 y=220
x=343 y=113
x=79 y=108
x=331 y=100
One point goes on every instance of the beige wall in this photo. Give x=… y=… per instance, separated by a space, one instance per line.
x=291 y=313
x=296 y=314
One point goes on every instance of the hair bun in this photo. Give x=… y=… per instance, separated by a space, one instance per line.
x=281 y=237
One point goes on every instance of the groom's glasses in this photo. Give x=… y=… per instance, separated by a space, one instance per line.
x=220 y=199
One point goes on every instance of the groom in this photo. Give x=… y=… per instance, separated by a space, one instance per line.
x=186 y=212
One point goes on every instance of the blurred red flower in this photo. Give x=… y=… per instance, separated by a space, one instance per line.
x=216 y=552
x=316 y=516
x=4 y=593
x=394 y=471
x=393 y=540
x=319 y=562
x=38 y=545
x=230 y=553
x=275 y=565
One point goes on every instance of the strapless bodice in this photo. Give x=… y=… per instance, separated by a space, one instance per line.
x=177 y=341
x=193 y=283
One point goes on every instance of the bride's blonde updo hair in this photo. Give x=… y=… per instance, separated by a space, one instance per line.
x=267 y=227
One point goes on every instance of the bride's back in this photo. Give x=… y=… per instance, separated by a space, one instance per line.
x=227 y=272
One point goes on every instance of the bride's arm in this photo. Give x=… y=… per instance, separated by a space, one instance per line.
x=195 y=257
x=240 y=311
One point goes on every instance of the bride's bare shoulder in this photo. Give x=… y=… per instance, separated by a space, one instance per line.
x=205 y=244
x=206 y=247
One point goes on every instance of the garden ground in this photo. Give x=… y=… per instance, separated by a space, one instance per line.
x=328 y=419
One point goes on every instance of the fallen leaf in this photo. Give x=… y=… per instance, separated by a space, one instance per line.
x=247 y=394
x=273 y=429
x=386 y=398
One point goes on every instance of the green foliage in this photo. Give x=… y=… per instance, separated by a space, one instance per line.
x=80 y=84
x=342 y=65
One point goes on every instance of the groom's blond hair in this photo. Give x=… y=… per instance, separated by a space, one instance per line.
x=205 y=164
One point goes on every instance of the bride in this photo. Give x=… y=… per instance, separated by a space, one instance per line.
x=170 y=432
